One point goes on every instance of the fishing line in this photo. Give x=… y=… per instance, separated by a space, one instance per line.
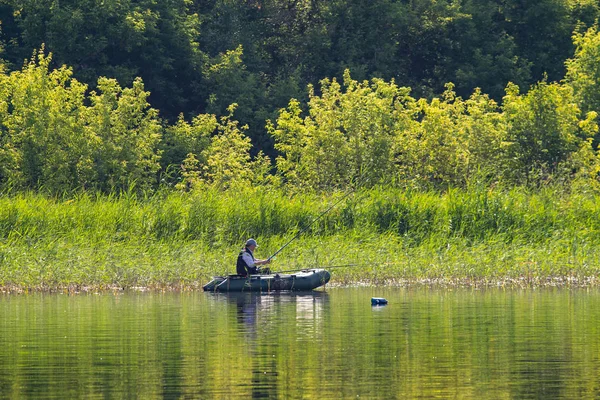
x=352 y=190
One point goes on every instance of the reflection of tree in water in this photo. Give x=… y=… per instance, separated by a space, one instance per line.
x=261 y=318
x=169 y=348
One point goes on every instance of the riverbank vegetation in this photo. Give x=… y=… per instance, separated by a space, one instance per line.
x=103 y=184
x=178 y=240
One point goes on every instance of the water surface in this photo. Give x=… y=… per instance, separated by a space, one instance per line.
x=426 y=343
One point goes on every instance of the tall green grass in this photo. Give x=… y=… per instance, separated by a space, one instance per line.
x=175 y=239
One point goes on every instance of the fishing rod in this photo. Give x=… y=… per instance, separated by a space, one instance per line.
x=338 y=266
x=312 y=223
x=328 y=267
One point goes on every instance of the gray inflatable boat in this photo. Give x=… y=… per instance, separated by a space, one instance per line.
x=306 y=279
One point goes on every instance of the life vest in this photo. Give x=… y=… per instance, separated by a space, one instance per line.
x=241 y=268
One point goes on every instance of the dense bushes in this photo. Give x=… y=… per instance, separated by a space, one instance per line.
x=57 y=135
x=375 y=130
x=51 y=139
x=200 y=56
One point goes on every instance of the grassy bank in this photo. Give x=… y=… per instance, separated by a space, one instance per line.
x=174 y=240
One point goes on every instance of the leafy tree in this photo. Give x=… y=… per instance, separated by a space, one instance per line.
x=183 y=145
x=378 y=131
x=448 y=141
x=485 y=137
x=585 y=12
x=481 y=53
x=121 y=39
x=230 y=82
x=228 y=160
x=347 y=135
x=435 y=148
x=191 y=176
x=200 y=56
x=43 y=130
x=542 y=32
x=583 y=70
x=9 y=154
x=129 y=133
x=53 y=140
x=544 y=128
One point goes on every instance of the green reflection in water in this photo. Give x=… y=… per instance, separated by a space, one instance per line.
x=425 y=343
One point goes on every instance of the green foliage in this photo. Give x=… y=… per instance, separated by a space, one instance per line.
x=184 y=144
x=583 y=70
x=172 y=238
x=58 y=136
x=229 y=217
x=129 y=133
x=52 y=140
x=121 y=39
x=541 y=32
x=228 y=161
x=435 y=149
x=543 y=130
x=443 y=166
x=377 y=132
x=201 y=56
x=347 y=135
x=44 y=131
x=230 y=82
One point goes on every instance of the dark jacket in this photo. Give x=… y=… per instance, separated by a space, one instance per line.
x=241 y=267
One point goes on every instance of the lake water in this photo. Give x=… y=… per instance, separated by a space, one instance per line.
x=426 y=343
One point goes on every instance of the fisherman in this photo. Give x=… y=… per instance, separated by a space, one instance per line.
x=246 y=263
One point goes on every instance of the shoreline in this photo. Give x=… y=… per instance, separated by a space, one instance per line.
x=510 y=283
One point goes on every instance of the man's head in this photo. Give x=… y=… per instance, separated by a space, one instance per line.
x=251 y=244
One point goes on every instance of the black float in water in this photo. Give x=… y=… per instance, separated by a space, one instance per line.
x=378 y=301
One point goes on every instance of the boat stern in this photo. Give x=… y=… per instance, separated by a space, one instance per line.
x=325 y=276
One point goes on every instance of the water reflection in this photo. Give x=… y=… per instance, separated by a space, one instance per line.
x=265 y=321
x=268 y=309
x=425 y=343
x=247 y=307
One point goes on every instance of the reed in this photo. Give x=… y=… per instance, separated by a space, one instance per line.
x=172 y=239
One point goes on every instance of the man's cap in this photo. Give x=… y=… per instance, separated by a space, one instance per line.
x=251 y=242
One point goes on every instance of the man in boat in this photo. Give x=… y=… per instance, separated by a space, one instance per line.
x=247 y=264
